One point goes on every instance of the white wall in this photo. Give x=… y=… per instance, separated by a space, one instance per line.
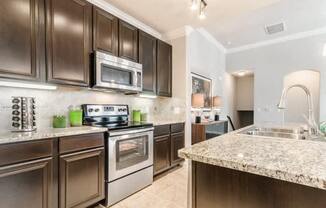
x=180 y=81
x=196 y=52
x=230 y=98
x=245 y=93
x=206 y=58
x=272 y=63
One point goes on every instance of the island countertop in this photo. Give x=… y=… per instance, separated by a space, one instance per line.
x=297 y=161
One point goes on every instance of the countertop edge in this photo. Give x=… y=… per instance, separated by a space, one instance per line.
x=276 y=174
x=18 y=137
x=161 y=123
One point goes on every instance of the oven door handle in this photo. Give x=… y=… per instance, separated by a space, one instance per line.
x=136 y=131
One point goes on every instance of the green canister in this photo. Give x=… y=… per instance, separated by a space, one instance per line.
x=59 y=122
x=136 y=115
x=76 y=117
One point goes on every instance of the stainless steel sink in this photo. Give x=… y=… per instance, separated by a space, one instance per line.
x=288 y=133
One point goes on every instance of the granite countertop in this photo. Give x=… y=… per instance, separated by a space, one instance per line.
x=13 y=137
x=165 y=122
x=297 y=161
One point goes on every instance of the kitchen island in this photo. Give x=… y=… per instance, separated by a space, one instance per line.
x=236 y=170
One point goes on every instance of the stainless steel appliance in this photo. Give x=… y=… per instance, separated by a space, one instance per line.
x=116 y=73
x=129 y=155
x=23 y=114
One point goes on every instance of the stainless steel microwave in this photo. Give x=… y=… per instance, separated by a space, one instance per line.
x=115 y=73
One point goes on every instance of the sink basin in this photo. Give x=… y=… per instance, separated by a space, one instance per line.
x=288 y=133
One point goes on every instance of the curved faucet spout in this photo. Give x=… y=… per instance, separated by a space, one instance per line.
x=282 y=105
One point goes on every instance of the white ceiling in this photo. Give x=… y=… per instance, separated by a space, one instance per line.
x=239 y=22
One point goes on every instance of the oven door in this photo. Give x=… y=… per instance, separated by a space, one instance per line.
x=116 y=73
x=129 y=151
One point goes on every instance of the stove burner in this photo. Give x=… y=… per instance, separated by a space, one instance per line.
x=110 y=116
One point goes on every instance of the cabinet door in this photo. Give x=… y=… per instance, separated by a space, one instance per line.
x=147 y=57
x=81 y=178
x=164 y=69
x=128 y=41
x=161 y=153
x=21 y=38
x=26 y=184
x=68 y=41
x=177 y=143
x=105 y=27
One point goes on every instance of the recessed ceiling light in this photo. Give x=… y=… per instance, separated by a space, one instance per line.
x=229 y=42
x=242 y=73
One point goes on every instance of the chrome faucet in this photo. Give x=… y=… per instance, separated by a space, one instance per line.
x=313 y=127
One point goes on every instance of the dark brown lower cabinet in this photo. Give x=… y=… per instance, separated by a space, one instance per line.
x=168 y=139
x=26 y=184
x=161 y=153
x=177 y=142
x=81 y=178
x=65 y=172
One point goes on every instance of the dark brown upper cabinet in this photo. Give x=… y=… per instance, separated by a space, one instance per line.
x=147 y=57
x=105 y=28
x=128 y=41
x=168 y=140
x=164 y=69
x=21 y=38
x=68 y=41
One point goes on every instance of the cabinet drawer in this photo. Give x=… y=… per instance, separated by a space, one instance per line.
x=161 y=130
x=19 y=152
x=80 y=142
x=176 y=128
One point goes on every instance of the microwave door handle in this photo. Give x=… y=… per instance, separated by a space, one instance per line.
x=135 y=79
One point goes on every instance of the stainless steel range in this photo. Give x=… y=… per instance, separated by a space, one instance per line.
x=129 y=155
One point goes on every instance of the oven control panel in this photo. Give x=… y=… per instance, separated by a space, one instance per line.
x=105 y=110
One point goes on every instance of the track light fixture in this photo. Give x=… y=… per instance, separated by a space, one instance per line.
x=194 y=5
x=201 y=5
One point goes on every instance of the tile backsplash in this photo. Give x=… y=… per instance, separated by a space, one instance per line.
x=49 y=103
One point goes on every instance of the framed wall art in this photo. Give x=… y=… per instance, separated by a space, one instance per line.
x=203 y=85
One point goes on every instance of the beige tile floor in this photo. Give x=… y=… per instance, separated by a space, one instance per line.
x=168 y=191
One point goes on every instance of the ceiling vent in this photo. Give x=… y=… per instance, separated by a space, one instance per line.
x=276 y=28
